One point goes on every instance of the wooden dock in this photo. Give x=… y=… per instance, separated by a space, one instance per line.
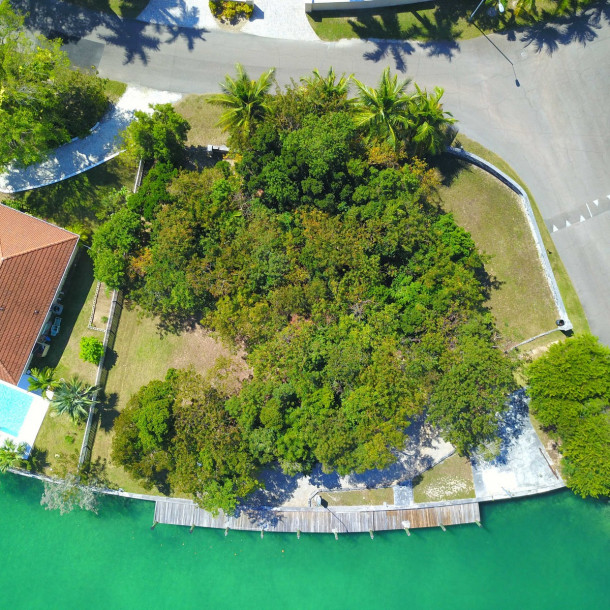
x=319 y=519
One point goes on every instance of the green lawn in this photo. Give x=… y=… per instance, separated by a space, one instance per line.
x=359 y=497
x=449 y=480
x=122 y=8
x=202 y=118
x=570 y=298
x=58 y=454
x=142 y=354
x=521 y=300
x=443 y=20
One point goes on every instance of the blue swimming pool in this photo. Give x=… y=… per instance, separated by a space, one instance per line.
x=14 y=406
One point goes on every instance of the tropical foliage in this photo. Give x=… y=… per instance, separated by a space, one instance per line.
x=73 y=398
x=42 y=379
x=245 y=101
x=43 y=102
x=158 y=137
x=11 y=455
x=91 y=350
x=178 y=432
x=322 y=252
x=570 y=390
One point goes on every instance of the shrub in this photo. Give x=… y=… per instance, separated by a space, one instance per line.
x=91 y=350
x=228 y=11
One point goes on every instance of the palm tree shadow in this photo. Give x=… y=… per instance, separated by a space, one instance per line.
x=394 y=49
x=549 y=32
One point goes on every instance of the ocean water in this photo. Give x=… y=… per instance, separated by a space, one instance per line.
x=546 y=552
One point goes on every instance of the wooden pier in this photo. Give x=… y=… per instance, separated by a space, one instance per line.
x=331 y=520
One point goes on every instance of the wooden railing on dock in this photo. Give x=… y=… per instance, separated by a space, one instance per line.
x=319 y=519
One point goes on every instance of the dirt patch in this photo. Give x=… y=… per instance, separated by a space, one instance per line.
x=102 y=308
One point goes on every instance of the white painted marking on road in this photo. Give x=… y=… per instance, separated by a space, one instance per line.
x=568 y=224
x=596 y=202
x=588 y=208
x=555 y=229
x=582 y=218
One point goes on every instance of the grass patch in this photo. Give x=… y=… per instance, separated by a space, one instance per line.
x=56 y=455
x=79 y=292
x=359 y=497
x=73 y=203
x=449 y=480
x=114 y=90
x=203 y=118
x=443 y=20
x=141 y=354
x=520 y=300
x=122 y=8
x=569 y=295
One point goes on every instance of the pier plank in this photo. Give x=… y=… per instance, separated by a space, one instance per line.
x=318 y=519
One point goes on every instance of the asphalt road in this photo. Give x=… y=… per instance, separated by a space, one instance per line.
x=538 y=98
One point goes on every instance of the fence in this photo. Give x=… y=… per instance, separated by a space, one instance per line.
x=116 y=308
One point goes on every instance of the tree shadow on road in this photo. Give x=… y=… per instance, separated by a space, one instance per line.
x=71 y=23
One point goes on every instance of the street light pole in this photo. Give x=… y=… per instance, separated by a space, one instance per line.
x=500 y=9
x=475 y=11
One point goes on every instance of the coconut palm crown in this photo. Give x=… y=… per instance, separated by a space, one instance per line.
x=42 y=379
x=11 y=455
x=384 y=110
x=245 y=101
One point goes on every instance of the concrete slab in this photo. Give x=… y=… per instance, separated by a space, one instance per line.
x=521 y=465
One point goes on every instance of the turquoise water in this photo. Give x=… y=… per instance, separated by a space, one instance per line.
x=548 y=552
x=14 y=406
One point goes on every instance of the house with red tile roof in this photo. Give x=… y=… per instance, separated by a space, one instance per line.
x=35 y=257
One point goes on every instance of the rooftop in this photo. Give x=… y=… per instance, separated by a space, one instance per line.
x=34 y=255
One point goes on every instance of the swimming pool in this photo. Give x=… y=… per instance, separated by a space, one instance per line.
x=14 y=406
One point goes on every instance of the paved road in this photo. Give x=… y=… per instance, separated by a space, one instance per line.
x=537 y=98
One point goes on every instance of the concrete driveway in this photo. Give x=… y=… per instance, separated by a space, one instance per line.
x=538 y=98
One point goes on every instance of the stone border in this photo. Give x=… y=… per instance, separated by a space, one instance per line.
x=529 y=212
x=90 y=325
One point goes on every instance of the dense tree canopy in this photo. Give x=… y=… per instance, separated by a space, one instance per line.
x=43 y=102
x=570 y=390
x=360 y=302
x=178 y=432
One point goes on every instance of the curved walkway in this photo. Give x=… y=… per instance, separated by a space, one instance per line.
x=85 y=153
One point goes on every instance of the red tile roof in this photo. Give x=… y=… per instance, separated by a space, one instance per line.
x=33 y=258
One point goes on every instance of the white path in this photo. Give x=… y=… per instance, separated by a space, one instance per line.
x=271 y=18
x=83 y=154
x=181 y=13
x=280 y=19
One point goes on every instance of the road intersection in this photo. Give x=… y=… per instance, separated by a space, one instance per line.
x=538 y=98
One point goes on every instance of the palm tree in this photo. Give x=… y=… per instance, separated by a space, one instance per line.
x=11 y=455
x=73 y=398
x=329 y=91
x=245 y=101
x=428 y=122
x=42 y=379
x=384 y=111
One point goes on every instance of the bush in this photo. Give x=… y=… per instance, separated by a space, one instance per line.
x=91 y=350
x=228 y=11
